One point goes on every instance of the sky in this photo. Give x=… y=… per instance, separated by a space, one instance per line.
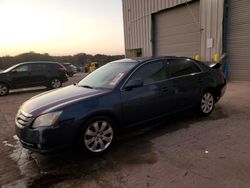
x=61 y=27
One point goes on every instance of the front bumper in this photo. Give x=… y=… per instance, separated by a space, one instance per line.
x=45 y=139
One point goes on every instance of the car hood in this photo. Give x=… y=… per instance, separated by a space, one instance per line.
x=55 y=99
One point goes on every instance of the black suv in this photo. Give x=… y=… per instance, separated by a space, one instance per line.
x=32 y=74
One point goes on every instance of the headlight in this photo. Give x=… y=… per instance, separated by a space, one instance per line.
x=47 y=119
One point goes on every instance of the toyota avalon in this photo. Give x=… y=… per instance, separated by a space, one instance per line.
x=118 y=95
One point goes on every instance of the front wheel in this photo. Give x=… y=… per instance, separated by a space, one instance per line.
x=55 y=83
x=206 y=105
x=98 y=135
x=4 y=89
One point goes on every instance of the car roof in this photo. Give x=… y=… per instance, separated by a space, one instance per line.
x=144 y=59
x=34 y=62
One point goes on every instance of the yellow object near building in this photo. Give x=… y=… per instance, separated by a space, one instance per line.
x=216 y=58
x=197 y=57
x=90 y=67
x=93 y=66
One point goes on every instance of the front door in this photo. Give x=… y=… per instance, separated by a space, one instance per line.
x=20 y=76
x=143 y=103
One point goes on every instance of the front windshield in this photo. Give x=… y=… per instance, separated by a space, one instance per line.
x=107 y=76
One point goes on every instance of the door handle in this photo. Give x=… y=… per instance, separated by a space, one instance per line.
x=165 y=89
x=154 y=88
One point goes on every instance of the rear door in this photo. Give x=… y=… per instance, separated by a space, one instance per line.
x=186 y=81
x=38 y=74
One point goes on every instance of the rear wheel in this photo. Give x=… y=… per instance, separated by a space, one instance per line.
x=4 y=89
x=98 y=135
x=206 y=105
x=55 y=83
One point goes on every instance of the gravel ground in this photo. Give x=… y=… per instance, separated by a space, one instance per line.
x=181 y=151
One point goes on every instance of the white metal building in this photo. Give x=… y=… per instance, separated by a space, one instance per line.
x=189 y=28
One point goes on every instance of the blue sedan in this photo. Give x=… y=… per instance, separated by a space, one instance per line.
x=118 y=95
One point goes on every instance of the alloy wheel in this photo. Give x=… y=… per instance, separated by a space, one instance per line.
x=3 y=89
x=98 y=136
x=56 y=83
x=207 y=103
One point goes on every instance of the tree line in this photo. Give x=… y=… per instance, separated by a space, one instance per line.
x=78 y=60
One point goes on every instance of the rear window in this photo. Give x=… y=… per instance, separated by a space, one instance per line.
x=66 y=65
x=56 y=66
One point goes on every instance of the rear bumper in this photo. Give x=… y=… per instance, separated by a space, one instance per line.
x=221 y=90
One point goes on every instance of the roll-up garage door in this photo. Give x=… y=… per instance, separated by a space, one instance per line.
x=176 y=31
x=238 y=40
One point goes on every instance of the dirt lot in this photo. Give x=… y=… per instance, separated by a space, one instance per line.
x=184 y=151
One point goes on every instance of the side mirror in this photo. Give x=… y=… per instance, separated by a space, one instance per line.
x=133 y=84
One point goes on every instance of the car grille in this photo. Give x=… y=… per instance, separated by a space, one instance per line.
x=23 y=119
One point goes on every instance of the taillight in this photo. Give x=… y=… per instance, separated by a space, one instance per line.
x=61 y=69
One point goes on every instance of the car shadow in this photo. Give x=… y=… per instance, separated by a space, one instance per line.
x=134 y=147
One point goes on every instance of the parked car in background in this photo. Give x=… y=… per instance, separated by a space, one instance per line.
x=81 y=69
x=116 y=96
x=70 y=69
x=32 y=74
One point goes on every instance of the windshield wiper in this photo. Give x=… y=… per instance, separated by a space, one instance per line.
x=86 y=86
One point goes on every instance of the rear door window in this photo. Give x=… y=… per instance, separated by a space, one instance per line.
x=181 y=67
x=38 y=67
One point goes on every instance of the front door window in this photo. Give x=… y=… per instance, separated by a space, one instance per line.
x=22 y=68
x=150 y=73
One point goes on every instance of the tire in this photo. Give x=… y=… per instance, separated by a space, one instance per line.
x=98 y=135
x=4 y=89
x=55 y=83
x=206 y=105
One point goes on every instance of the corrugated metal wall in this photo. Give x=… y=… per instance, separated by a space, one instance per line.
x=177 y=31
x=211 y=13
x=138 y=24
x=238 y=40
